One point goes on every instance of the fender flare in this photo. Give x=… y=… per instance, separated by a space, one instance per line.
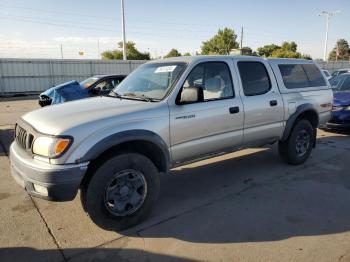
x=129 y=136
x=291 y=120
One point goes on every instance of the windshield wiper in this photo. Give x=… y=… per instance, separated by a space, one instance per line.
x=142 y=97
x=114 y=94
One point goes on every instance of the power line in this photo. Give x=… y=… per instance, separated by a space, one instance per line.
x=106 y=18
x=101 y=29
x=69 y=23
x=65 y=21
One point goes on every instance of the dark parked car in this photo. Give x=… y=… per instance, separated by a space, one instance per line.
x=340 y=72
x=73 y=90
x=340 y=118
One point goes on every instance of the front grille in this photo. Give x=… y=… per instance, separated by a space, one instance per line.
x=23 y=139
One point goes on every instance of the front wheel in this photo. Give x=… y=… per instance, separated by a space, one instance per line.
x=298 y=147
x=122 y=191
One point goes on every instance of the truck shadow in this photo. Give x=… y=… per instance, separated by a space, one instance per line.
x=255 y=198
x=6 y=138
x=84 y=254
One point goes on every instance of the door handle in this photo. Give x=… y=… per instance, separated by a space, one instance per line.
x=273 y=103
x=234 y=110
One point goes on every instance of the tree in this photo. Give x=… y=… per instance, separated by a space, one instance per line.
x=286 y=50
x=221 y=43
x=173 y=53
x=248 y=51
x=306 y=56
x=289 y=46
x=187 y=54
x=131 y=52
x=343 y=51
x=282 y=53
x=267 y=50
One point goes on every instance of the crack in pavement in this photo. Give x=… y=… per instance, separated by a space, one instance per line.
x=49 y=230
x=40 y=214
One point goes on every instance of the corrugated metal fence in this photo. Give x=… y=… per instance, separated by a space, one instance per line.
x=332 y=66
x=36 y=75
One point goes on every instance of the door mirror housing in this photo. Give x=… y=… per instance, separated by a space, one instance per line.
x=191 y=94
x=96 y=90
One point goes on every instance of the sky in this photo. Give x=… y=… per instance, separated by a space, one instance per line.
x=38 y=28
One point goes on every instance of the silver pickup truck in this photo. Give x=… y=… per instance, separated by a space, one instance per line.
x=165 y=114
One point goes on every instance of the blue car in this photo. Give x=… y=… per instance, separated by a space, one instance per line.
x=340 y=119
x=73 y=90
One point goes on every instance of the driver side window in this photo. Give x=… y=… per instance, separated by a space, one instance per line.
x=214 y=78
x=105 y=85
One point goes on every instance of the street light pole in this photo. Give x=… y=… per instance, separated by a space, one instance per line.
x=326 y=41
x=123 y=29
x=328 y=15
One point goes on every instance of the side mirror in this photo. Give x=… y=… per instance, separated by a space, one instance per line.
x=96 y=90
x=191 y=94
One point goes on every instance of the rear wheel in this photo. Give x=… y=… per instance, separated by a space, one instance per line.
x=298 y=147
x=122 y=191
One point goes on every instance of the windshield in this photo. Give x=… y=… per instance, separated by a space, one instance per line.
x=340 y=83
x=151 y=81
x=89 y=81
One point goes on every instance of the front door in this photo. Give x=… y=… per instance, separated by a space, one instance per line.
x=211 y=125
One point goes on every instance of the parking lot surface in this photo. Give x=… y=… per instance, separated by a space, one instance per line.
x=244 y=206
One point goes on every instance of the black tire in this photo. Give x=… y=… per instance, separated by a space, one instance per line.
x=290 y=150
x=94 y=193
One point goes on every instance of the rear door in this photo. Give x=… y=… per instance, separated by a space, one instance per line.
x=263 y=105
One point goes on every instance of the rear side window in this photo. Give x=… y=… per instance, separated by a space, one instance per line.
x=255 y=79
x=314 y=75
x=301 y=76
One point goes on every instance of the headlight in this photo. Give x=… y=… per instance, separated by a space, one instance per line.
x=51 y=146
x=347 y=108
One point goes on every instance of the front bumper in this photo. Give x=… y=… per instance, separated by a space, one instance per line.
x=340 y=120
x=336 y=126
x=61 y=181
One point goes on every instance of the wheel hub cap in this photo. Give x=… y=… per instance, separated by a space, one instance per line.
x=125 y=192
x=302 y=143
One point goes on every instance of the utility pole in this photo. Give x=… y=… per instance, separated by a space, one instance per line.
x=328 y=15
x=123 y=29
x=61 y=52
x=242 y=41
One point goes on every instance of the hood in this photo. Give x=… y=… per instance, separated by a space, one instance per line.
x=49 y=92
x=59 y=118
x=341 y=99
